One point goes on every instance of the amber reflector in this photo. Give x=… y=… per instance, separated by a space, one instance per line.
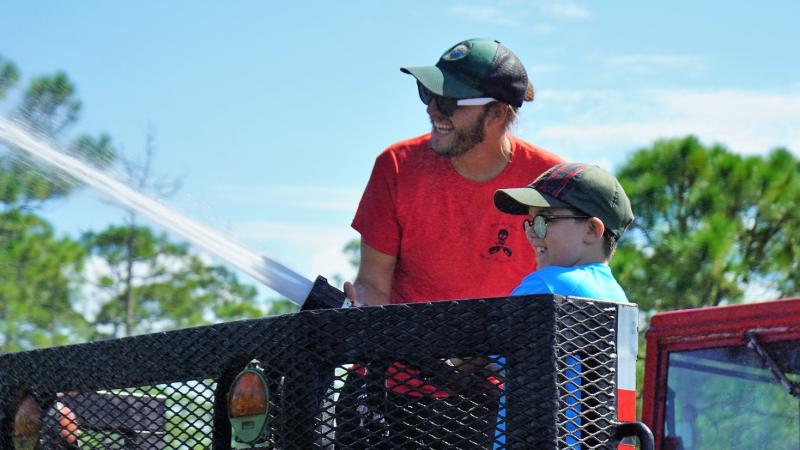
x=248 y=396
x=27 y=422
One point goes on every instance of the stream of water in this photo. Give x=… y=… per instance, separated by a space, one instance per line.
x=273 y=274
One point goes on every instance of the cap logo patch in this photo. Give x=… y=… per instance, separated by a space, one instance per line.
x=457 y=52
x=558 y=180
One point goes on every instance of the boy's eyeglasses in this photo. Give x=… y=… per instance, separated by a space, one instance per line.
x=448 y=105
x=539 y=223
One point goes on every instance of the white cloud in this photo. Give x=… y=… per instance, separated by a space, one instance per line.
x=565 y=98
x=300 y=197
x=610 y=124
x=653 y=63
x=565 y=10
x=484 y=14
x=307 y=248
x=516 y=13
x=538 y=69
x=300 y=233
x=541 y=28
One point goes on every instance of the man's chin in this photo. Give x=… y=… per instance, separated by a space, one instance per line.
x=442 y=151
x=436 y=147
x=436 y=143
x=447 y=151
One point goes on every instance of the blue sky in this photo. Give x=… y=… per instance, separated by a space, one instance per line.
x=271 y=113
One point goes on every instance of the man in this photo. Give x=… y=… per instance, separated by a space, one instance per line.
x=429 y=229
x=429 y=232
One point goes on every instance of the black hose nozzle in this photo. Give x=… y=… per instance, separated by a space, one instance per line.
x=324 y=296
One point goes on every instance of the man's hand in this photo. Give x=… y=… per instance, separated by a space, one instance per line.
x=374 y=280
x=351 y=293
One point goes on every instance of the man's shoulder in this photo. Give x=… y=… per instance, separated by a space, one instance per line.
x=530 y=152
x=412 y=146
x=413 y=152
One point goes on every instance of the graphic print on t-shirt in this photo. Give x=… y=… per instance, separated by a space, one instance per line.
x=497 y=247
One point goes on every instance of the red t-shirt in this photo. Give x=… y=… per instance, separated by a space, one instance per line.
x=450 y=240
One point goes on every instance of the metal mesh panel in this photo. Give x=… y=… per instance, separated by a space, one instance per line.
x=494 y=373
x=586 y=355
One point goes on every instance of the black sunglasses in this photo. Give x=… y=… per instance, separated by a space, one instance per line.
x=448 y=105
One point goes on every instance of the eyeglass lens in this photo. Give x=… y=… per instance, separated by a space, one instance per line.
x=539 y=223
x=540 y=226
x=445 y=105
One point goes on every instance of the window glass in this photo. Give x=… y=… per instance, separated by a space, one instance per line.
x=728 y=398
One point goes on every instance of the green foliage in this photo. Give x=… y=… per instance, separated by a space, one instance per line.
x=24 y=182
x=153 y=284
x=49 y=106
x=98 y=151
x=709 y=224
x=282 y=306
x=353 y=252
x=8 y=76
x=148 y=282
x=38 y=274
x=190 y=410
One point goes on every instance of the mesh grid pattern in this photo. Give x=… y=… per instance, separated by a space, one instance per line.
x=493 y=373
x=586 y=377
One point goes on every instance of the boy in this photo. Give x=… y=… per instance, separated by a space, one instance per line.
x=579 y=212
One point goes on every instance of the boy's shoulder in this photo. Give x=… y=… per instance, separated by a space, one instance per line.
x=576 y=275
x=555 y=271
x=590 y=281
x=549 y=280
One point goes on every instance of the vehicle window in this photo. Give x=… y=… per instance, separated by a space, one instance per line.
x=727 y=398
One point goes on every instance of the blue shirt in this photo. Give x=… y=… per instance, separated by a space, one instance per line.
x=593 y=281
x=589 y=281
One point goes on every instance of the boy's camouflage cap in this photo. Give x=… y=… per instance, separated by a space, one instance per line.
x=584 y=187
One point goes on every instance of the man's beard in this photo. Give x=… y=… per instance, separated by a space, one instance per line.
x=464 y=140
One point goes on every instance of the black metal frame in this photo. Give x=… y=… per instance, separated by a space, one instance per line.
x=301 y=351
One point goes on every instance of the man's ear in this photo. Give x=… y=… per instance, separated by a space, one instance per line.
x=594 y=229
x=498 y=113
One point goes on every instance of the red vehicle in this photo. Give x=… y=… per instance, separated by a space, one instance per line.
x=724 y=377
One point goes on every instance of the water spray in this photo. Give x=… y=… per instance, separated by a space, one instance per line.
x=318 y=294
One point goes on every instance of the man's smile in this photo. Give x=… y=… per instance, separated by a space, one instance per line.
x=442 y=127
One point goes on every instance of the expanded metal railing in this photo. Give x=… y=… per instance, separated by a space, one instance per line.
x=534 y=372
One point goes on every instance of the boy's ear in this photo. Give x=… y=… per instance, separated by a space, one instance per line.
x=595 y=229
